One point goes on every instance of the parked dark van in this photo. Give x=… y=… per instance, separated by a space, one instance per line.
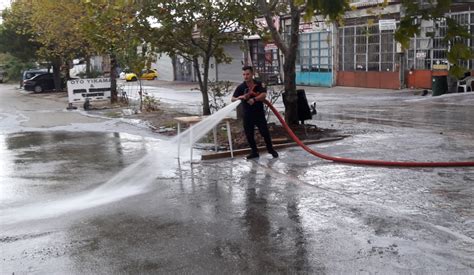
x=40 y=83
x=31 y=73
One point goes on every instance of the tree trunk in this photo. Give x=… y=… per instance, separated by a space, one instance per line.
x=113 y=78
x=203 y=84
x=291 y=106
x=68 y=68
x=88 y=66
x=291 y=98
x=57 y=75
x=173 y=62
x=289 y=50
x=197 y=71
x=206 y=110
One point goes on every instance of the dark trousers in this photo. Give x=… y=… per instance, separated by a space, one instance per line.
x=250 y=121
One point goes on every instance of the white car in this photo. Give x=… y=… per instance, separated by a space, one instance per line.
x=122 y=75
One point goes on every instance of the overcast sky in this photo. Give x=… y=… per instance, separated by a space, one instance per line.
x=4 y=3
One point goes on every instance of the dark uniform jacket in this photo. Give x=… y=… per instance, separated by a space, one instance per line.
x=257 y=107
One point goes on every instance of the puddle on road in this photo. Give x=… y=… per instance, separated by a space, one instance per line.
x=46 y=174
x=90 y=155
x=447 y=118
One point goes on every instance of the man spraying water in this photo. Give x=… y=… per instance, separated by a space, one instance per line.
x=252 y=94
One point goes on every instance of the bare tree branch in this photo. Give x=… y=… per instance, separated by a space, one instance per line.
x=271 y=26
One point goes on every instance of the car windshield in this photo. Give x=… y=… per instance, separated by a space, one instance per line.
x=43 y=76
x=31 y=74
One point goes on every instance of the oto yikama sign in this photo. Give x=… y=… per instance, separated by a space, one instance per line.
x=92 y=88
x=387 y=25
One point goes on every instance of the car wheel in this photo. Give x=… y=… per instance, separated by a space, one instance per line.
x=154 y=78
x=38 y=89
x=134 y=79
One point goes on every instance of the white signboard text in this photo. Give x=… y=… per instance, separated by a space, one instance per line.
x=92 y=88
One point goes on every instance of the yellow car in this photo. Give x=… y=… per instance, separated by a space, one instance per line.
x=148 y=74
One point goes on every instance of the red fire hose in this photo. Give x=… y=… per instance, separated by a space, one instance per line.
x=363 y=161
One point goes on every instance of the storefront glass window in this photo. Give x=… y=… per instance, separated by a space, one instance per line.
x=430 y=52
x=365 y=48
x=265 y=61
x=315 y=52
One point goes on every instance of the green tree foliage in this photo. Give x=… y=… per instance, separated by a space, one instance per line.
x=134 y=59
x=410 y=23
x=13 y=66
x=334 y=9
x=16 y=37
x=198 y=31
x=116 y=28
x=55 y=26
x=44 y=30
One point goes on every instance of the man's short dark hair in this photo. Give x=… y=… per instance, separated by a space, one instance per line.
x=250 y=68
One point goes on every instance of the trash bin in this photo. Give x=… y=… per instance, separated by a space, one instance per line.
x=439 y=85
x=304 y=111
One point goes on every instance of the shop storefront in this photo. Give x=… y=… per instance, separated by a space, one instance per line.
x=367 y=57
x=314 y=62
x=264 y=57
x=427 y=56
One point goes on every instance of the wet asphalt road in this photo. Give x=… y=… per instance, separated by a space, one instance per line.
x=294 y=214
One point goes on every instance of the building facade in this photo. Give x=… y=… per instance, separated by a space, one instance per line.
x=361 y=52
x=427 y=55
x=367 y=53
x=314 y=64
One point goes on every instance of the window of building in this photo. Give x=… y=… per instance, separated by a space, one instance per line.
x=430 y=51
x=265 y=61
x=315 y=53
x=365 y=48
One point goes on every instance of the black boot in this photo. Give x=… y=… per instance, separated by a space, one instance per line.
x=252 y=155
x=273 y=153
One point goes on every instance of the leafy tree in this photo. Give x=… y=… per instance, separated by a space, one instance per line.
x=137 y=56
x=55 y=26
x=289 y=45
x=15 y=35
x=13 y=65
x=198 y=31
x=115 y=27
x=44 y=29
x=455 y=37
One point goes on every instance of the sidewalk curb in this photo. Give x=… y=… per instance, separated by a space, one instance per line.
x=226 y=154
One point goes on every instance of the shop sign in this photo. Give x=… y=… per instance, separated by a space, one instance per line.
x=421 y=55
x=313 y=27
x=91 y=88
x=306 y=27
x=270 y=46
x=387 y=25
x=440 y=67
x=262 y=22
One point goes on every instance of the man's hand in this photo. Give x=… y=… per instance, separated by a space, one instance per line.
x=251 y=101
